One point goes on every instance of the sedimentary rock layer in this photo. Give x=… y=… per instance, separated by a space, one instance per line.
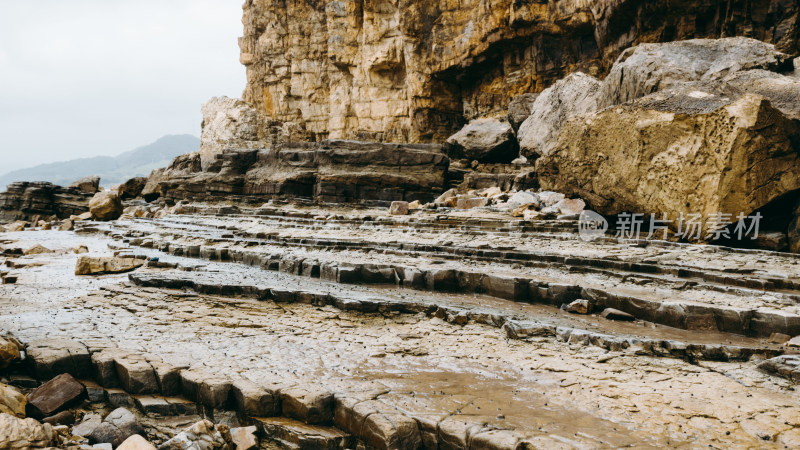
x=413 y=71
x=24 y=200
x=331 y=171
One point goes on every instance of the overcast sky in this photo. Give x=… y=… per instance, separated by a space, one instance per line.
x=98 y=77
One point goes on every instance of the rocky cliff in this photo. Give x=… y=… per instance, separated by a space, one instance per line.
x=415 y=71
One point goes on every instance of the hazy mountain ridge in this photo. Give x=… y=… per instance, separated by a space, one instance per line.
x=111 y=169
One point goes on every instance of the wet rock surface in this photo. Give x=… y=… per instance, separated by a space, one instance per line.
x=332 y=329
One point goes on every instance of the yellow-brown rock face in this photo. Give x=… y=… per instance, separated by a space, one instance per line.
x=414 y=71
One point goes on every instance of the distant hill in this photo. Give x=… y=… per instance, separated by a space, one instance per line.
x=111 y=169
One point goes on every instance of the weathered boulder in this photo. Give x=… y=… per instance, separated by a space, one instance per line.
x=575 y=95
x=677 y=152
x=398 y=208
x=649 y=68
x=105 y=206
x=89 y=185
x=118 y=426
x=131 y=188
x=484 y=140
x=55 y=395
x=520 y=108
x=24 y=433
x=94 y=265
x=12 y=401
x=228 y=124
x=9 y=352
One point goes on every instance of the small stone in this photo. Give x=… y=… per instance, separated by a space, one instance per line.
x=793 y=342
x=447 y=195
x=416 y=204
x=136 y=442
x=37 y=250
x=579 y=307
x=615 y=314
x=10 y=279
x=79 y=249
x=244 y=438
x=779 y=338
x=570 y=206
x=66 y=225
x=523 y=199
x=55 y=395
x=469 y=203
x=62 y=418
x=89 y=423
x=398 y=208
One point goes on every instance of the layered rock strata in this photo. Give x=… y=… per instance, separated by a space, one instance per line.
x=331 y=171
x=24 y=201
x=415 y=71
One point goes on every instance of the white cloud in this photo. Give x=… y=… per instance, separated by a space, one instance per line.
x=96 y=77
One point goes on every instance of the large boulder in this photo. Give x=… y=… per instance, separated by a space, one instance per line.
x=484 y=140
x=118 y=426
x=649 y=68
x=89 y=185
x=228 y=123
x=55 y=395
x=131 y=188
x=678 y=151
x=573 y=96
x=24 y=433
x=520 y=108
x=106 y=206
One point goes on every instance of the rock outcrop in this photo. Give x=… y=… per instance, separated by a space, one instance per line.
x=416 y=71
x=330 y=171
x=26 y=200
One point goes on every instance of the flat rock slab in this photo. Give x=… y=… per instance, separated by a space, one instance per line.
x=51 y=357
x=55 y=395
x=90 y=265
x=312 y=406
x=295 y=434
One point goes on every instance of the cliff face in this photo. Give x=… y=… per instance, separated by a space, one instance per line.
x=414 y=71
